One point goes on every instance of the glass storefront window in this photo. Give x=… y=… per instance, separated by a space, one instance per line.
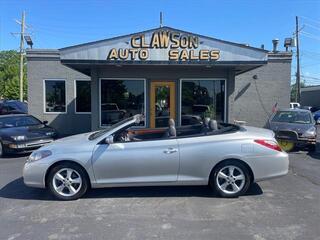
x=83 y=96
x=55 y=96
x=121 y=99
x=203 y=98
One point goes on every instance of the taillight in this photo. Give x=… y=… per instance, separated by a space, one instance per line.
x=269 y=144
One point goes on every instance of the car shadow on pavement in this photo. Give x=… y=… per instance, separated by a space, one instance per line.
x=17 y=190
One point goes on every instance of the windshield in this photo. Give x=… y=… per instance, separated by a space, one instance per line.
x=18 y=121
x=20 y=106
x=292 y=117
x=103 y=131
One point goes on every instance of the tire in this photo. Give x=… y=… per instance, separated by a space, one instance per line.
x=224 y=183
x=312 y=148
x=67 y=181
x=2 y=153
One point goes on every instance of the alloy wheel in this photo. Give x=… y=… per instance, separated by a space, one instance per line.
x=67 y=182
x=230 y=179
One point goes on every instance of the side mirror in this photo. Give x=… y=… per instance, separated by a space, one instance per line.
x=109 y=140
x=45 y=122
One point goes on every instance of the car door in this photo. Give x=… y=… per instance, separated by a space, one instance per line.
x=136 y=162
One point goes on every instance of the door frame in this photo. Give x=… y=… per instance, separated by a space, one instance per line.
x=172 y=87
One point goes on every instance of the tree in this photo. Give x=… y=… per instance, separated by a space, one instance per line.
x=294 y=90
x=9 y=75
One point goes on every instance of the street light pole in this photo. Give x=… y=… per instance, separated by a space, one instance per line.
x=298 y=91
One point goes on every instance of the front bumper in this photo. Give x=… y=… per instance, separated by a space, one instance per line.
x=34 y=174
x=296 y=138
x=27 y=146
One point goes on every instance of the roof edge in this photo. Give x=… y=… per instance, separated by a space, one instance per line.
x=169 y=28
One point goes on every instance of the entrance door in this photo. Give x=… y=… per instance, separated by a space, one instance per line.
x=162 y=103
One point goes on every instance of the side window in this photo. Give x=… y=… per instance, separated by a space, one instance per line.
x=55 y=96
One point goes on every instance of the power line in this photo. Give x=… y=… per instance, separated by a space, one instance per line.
x=311 y=19
x=310 y=35
x=309 y=25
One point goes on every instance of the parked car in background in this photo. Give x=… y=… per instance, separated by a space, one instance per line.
x=13 y=107
x=294 y=105
x=316 y=117
x=23 y=133
x=306 y=108
x=294 y=128
x=226 y=157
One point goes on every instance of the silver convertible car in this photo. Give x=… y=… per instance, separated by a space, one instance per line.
x=224 y=156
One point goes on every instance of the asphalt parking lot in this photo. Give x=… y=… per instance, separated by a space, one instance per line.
x=284 y=208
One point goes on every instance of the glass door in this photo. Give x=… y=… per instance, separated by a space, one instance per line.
x=162 y=104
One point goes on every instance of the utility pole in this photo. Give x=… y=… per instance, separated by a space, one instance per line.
x=21 y=54
x=298 y=91
x=161 y=25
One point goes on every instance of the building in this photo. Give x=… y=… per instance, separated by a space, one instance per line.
x=162 y=73
x=310 y=96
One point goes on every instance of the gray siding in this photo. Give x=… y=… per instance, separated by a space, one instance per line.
x=66 y=124
x=255 y=98
x=248 y=99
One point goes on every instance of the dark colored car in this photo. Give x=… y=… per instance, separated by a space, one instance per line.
x=294 y=127
x=13 y=107
x=23 y=133
x=316 y=116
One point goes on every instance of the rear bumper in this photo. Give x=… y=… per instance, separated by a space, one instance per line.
x=269 y=166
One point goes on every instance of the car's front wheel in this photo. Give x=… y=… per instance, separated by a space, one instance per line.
x=230 y=179
x=67 y=181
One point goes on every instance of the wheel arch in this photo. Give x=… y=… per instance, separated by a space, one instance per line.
x=233 y=159
x=65 y=161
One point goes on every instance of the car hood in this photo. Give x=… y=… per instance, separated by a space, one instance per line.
x=297 y=127
x=31 y=132
x=75 y=143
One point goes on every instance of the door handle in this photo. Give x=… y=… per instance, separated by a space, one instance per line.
x=170 y=150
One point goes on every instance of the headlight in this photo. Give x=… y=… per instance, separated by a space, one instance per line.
x=37 y=155
x=19 y=138
x=50 y=133
x=311 y=132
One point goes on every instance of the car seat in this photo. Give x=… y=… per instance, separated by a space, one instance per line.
x=213 y=125
x=206 y=128
x=172 y=129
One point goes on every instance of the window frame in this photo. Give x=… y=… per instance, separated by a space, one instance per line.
x=75 y=95
x=44 y=95
x=145 y=95
x=199 y=79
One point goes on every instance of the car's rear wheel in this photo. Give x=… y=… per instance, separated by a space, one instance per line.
x=230 y=179
x=67 y=181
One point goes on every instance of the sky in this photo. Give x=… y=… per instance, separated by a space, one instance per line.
x=62 y=23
